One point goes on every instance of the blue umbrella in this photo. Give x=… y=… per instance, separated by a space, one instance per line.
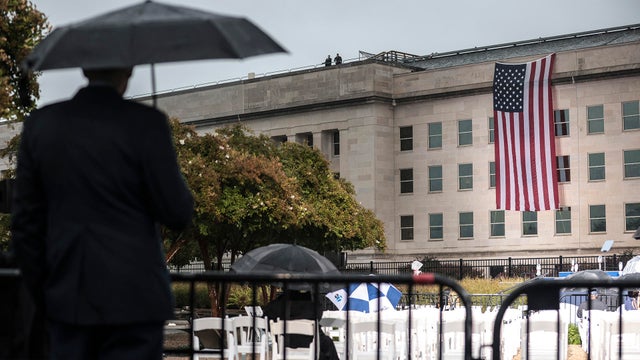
x=366 y=297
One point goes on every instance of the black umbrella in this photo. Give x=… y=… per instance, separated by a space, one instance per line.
x=630 y=276
x=284 y=259
x=287 y=259
x=149 y=33
x=589 y=275
x=636 y=235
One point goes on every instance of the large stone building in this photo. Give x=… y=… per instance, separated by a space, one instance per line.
x=414 y=135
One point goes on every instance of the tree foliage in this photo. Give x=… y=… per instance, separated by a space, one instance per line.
x=22 y=26
x=336 y=221
x=250 y=192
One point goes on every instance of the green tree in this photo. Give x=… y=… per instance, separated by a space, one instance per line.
x=336 y=220
x=243 y=199
x=249 y=192
x=332 y=219
x=22 y=26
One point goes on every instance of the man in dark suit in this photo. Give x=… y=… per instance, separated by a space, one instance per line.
x=95 y=176
x=295 y=304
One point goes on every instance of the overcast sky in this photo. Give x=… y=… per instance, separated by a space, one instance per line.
x=311 y=30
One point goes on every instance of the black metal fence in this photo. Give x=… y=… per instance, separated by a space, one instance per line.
x=414 y=295
x=474 y=268
x=551 y=308
x=532 y=320
x=439 y=318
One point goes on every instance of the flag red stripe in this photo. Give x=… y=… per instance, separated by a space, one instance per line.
x=552 y=174
x=536 y=112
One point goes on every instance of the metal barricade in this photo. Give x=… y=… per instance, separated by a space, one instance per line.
x=549 y=306
x=449 y=338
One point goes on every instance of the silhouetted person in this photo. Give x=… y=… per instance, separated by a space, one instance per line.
x=338 y=59
x=327 y=61
x=95 y=176
x=292 y=305
x=631 y=301
x=596 y=304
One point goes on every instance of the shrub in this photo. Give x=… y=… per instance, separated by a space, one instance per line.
x=239 y=297
x=574 y=335
x=181 y=293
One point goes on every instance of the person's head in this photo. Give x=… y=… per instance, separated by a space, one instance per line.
x=118 y=78
x=594 y=294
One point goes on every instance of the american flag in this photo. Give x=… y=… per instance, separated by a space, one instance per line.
x=525 y=154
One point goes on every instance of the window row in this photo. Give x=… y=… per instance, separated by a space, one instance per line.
x=595 y=163
x=595 y=125
x=331 y=137
x=529 y=222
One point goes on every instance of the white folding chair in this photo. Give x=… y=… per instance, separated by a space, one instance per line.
x=251 y=335
x=544 y=341
x=367 y=338
x=208 y=336
x=627 y=341
x=333 y=323
x=453 y=330
x=277 y=331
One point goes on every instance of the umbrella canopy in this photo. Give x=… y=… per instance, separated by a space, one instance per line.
x=284 y=259
x=366 y=297
x=589 y=275
x=636 y=235
x=630 y=276
x=149 y=33
x=287 y=259
x=632 y=266
x=146 y=33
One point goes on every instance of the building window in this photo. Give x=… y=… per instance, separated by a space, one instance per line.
x=465 y=133
x=631 y=164
x=406 y=138
x=465 y=176
x=305 y=139
x=466 y=225
x=561 y=122
x=435 y=135
x=596 y=166
x=563 y=221
x=492 y=174
x=597 y=218
x=497 y=223
x=595 y=119
x=529 y=223
x=406 y=227
x=435 y=178
x=280 y=139
x=631 y=115
x=336 y=142
x=435 y=227
x=491 y=132
x=406 y=181
x=563 y=169
x=631 y=216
